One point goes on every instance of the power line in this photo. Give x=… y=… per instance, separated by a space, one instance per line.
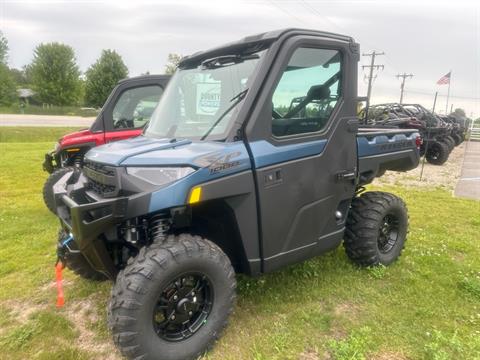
x=272 y=3
x=403 y=76
x=370 y=77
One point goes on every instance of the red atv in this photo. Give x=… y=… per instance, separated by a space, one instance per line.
x=124 y=114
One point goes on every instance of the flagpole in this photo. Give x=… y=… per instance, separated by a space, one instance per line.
x=448 y=92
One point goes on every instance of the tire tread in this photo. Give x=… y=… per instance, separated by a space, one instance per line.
x=124 y=296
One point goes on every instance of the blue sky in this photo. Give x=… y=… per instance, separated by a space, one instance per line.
x=426 y=38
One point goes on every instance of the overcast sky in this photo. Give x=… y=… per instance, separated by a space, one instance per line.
x=426 y=38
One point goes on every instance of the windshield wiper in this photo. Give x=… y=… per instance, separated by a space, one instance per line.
x=226 y=60
x=239 y=97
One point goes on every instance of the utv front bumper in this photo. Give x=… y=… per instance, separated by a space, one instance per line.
x=49 y=164
x=88 y=221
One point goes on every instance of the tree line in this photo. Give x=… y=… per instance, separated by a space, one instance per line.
x=56 y=79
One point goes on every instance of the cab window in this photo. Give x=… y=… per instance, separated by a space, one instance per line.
x=307 y=92
x=134 y=107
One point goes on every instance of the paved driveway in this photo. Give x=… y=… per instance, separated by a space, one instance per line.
x=44 y=120
x=469 y=183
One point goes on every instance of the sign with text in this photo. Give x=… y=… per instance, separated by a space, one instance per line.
x=208 y=98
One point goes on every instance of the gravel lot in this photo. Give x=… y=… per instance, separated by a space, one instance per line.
x=445 y=176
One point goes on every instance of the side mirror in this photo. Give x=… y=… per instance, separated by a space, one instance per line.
x=318 y=92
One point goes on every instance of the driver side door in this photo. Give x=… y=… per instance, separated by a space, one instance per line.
x=132 y=108
x=305 y=162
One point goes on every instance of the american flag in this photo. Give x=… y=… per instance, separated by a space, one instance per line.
x=444 y=79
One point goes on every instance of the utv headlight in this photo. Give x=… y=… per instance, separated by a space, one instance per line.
x=159 y=175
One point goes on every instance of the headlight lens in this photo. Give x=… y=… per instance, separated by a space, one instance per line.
x=159 y=175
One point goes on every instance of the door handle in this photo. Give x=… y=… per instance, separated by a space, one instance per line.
x=273 y=177
x=346 y=175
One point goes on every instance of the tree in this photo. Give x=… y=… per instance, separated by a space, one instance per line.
x=8 y=90
x=460 y=112
x=55 y=74
x=173 y=61
x=102 y=76
x=20 y=77
x=3 y=49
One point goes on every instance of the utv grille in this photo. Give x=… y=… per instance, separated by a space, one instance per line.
x=100 y=168
x=101 y=179
x=101 y=189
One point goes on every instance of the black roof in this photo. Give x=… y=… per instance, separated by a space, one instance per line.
x=257 y=41
x=145 y=77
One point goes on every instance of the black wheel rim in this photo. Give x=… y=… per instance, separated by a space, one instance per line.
x=435 y=152
x=183 y=307
x=388 y=233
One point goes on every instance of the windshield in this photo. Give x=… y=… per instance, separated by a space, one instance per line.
x=202 y=102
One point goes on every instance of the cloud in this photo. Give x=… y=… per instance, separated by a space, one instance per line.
x=426 y=38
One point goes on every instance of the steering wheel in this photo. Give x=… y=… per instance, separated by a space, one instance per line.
x=122 y=123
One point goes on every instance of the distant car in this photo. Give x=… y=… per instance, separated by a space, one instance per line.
x=125 y=113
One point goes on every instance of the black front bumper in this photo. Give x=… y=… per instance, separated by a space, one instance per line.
x=49 y=163
x=88 y=221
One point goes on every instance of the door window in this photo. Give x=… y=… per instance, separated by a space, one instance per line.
x=135 y=107
x=307 y=92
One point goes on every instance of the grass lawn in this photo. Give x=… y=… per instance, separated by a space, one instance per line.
x=425 y=306
x=26 y=134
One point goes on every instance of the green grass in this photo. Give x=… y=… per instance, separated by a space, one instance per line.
x=12 y=134
x=425 y=306
x=52 y=110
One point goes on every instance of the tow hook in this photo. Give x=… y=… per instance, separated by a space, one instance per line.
x=63 y=249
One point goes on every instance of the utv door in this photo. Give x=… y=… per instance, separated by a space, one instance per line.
x=131 y=106
x=305 y=170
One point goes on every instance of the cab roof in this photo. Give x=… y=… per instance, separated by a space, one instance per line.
x=257 y=42
x=145 y=77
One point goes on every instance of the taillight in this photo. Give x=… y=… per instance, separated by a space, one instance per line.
x=418 y=141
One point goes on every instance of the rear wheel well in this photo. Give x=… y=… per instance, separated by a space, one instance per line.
x=215 y=220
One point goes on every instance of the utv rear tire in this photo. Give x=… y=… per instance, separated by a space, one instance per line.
x=437 y=153
x=450 y=142
x=457 y=138
x=376 y=231
x=144 y=314
x=77 y=263
x=48 y=187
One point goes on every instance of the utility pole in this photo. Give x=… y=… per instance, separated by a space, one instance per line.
x=403 y=76
x=434 y=101
x=370 y=77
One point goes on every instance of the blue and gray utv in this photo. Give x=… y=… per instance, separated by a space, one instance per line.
x=252 y=160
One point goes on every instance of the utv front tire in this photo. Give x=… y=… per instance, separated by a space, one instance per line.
x=48 y=187
x=172 y=300
x=77 y=263
x=376 y=230
x=437 y=153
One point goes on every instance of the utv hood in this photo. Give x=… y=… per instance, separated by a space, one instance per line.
x=144 y=151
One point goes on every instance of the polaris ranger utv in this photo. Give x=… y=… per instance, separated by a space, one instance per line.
x=124 y=114
x=229 y=177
